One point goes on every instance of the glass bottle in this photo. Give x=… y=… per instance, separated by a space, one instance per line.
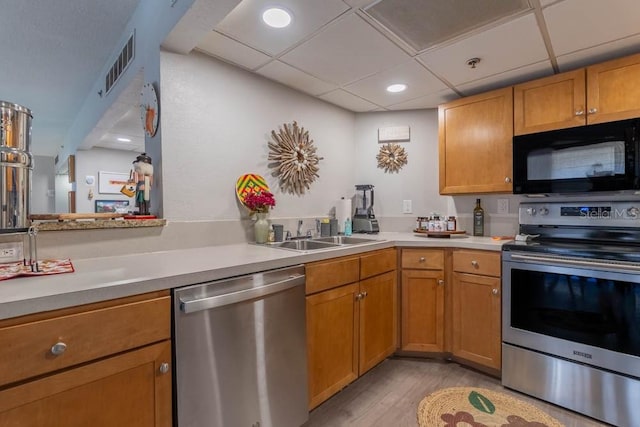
x=478 y=219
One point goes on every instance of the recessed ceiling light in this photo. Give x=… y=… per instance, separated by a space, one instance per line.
x=398 y=87
x=276 y=17
x=123 y=139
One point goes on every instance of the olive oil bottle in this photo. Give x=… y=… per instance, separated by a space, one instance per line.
x=478 y=219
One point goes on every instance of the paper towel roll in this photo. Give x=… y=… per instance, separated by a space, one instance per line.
x=343 y=211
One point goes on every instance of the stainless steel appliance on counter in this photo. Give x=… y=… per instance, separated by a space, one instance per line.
x=571 y=307
x=240 y=351
x=364 y=220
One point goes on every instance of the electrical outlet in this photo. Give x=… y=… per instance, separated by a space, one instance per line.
x=10 y=251
x=503 y=206
x=406 y=207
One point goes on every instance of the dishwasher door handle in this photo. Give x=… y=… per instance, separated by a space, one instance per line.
x=243 y=295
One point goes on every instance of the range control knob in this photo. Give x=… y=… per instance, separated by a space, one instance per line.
x=633 y=212
x=531 y=211
x=544 y=211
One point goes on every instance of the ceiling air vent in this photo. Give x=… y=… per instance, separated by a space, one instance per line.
x=120 y=64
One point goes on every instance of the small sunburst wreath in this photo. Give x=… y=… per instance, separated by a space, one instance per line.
x=391 y=157
x=294 y=158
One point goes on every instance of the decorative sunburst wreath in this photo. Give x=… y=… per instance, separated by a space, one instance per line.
x=294 y=158
x=391 y=157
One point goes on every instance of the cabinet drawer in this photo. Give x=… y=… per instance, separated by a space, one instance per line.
x=377 y=262
x=26 y=349
x=423 y=259
x=477 y=262
x=331 y=274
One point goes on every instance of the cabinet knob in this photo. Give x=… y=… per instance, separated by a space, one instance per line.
x=475 y=263
x=358 y=296
x=422 y=259
x=494 y=291
x=441 y=282
x=593 y=110
x=164 y=368
x=58 y=348
x=507 y=179
x=580 y=112
x=364 y=294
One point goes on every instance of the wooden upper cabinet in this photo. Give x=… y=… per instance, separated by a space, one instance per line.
x=601 y=93
x=613 y=90
x=475 y=137
x=554 y=102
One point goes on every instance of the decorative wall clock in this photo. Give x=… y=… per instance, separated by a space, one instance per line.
x=149 y=109
x=391 y=158
x=294 y=158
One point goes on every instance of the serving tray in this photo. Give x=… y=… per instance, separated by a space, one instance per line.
x=440 y=234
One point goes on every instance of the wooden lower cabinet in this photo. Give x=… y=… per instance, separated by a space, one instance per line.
x=332 y=336
x=352 y=327
x=103 y=364
x=378 y=319
x=422 y=310
x=476 y=319
x=124 y=390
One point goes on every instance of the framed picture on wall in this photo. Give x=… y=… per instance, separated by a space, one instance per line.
x=111 y=182
x=112 y=206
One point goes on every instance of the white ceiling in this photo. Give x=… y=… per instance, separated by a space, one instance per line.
x=335 y=50
x=338 y=51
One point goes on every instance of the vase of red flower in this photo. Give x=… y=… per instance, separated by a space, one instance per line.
x=259 y=204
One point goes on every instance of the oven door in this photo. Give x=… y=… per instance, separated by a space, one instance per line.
x=574 y=309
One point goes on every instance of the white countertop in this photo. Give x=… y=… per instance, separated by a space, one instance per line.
x=99 y=279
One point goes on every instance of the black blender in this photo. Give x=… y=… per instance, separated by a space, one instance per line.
x=364 y=221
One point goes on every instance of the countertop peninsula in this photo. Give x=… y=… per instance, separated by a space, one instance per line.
x=99 y=279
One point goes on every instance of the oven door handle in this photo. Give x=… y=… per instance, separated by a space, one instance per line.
x=573 y=261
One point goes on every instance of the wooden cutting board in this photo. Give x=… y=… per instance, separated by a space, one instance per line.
x=74 y=216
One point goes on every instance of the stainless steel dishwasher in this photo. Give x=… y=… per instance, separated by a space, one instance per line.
x=240 y=351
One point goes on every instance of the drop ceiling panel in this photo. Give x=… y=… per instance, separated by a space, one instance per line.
x=346 y=51
x=509 y=46
x=520 y=75
x=580 y=24
x=230 y=50
x=297 y=79
x=244 y=23
x=604 y=52
x=428 y=101
x=425 y=24
x=348 y=101
x=419 y=82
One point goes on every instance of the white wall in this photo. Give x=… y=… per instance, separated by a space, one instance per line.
x=43 y=185
x=90 y=163
x=216 y=121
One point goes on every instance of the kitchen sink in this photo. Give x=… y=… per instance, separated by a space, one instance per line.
x=343 y=240
x=304 y=245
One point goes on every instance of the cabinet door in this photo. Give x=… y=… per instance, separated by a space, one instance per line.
x=554 y=102
x=125 y=390
x=422 y=310
x=613 y=90
x=332 y=335
x=378 y=319
x=475 y=137
x=476 y=319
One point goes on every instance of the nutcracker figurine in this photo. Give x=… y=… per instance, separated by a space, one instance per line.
x=143 y=177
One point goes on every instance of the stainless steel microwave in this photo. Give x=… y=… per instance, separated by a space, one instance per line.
x=584 y=159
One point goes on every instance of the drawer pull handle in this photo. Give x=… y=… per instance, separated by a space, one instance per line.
x=474 y=263
x=494 y=291
x=593 y=110
x=422 y=259
x=58 y=348
x=164 y=368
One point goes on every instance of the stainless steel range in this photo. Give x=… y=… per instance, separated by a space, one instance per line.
x=571 y=307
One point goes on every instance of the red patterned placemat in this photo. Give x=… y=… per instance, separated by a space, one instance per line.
x=45 y=267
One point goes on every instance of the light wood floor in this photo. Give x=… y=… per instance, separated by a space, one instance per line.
x=389 y=394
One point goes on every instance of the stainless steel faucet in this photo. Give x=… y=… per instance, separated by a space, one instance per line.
x=299 y=231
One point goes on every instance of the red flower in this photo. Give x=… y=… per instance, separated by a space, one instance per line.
x=259 y=202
